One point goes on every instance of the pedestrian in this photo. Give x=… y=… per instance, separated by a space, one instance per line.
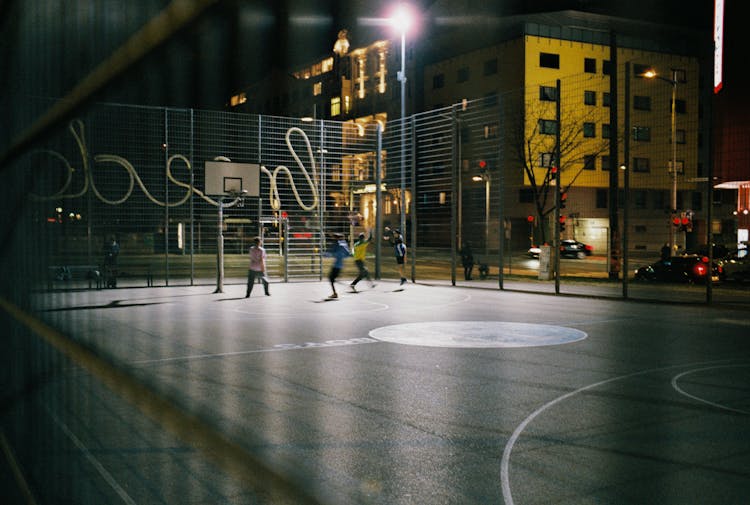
x=666 y=252
x=360 y=252
x=257 y=268
x=399 y=251
x=467 y=260
x=111 y=251
x=339 y=251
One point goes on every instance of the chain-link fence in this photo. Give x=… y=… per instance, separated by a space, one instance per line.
x=473 y=185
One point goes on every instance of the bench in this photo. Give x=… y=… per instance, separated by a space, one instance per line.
x=67 y=273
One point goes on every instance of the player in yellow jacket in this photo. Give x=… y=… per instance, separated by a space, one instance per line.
x=360 y=252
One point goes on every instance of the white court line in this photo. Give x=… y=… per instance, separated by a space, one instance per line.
x=276 y=348
x=94 y=462
x=505 y=462
x=697 y=398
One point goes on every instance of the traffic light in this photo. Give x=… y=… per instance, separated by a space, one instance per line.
x=561 y=221
x=676 y=221
x=482 y=164
x=563 y=199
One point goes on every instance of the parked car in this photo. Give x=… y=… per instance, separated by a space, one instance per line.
x=690 y=268
x=736 y=267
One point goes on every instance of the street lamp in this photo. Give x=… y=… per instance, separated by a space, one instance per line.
x=651 y=74
x=485 y=176
x=402 y=20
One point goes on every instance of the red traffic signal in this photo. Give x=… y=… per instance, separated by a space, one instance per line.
x=530 y=218
x=685 y=221
x=482 y=164
x=676 y=220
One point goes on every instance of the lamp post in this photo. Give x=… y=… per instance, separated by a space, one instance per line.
x=402 y=21
x=651 y=74
x=485 y=176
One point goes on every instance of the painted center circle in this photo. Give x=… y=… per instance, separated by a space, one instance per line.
x=476 y=334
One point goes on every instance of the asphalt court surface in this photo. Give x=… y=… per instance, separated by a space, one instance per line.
x=436 y=394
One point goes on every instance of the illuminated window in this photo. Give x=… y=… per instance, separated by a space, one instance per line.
x=361 y=76
x=381 y=71
x=238 y=99
x=335 y=106
x=317 y=88
x=326 y=65
x=680 y=164
x=347 y=104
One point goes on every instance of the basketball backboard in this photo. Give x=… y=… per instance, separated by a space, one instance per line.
x=226 y=178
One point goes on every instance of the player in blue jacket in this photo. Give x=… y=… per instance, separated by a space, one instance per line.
x=339 y=251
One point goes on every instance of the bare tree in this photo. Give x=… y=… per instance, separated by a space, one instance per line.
x=532 y=134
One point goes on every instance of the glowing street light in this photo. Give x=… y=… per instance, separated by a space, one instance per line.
x=402 y=20
x=651 y=74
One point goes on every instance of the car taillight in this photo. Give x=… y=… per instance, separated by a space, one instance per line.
x=589 y=247
x=700 y=269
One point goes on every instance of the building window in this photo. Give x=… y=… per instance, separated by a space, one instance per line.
x=642 y=133
x=680 y=75
x=462 y=75
x=438 y=81
x=605 y=163
x=548 y=93
x=490 y=131
x=606 y=131
x=589 y=130
x=381 y=74
x=680 y=164
x=317 y=88
x=525 y=195
x=680 y=106
x=606 y=99
x=642 y=102
x=335 y=106
x=490 y=67
x=641 y=165
x=238 y=99
x=697 y=200
x=589 y=162
x=545 y=159
x=601 y=198
x=589 y=97
x=548 y=126
x=549 y=60
x=589 y=65
x=680 y=136
x=361 y=77
x=660 y=200
x=639 y=199
x=607 y=67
